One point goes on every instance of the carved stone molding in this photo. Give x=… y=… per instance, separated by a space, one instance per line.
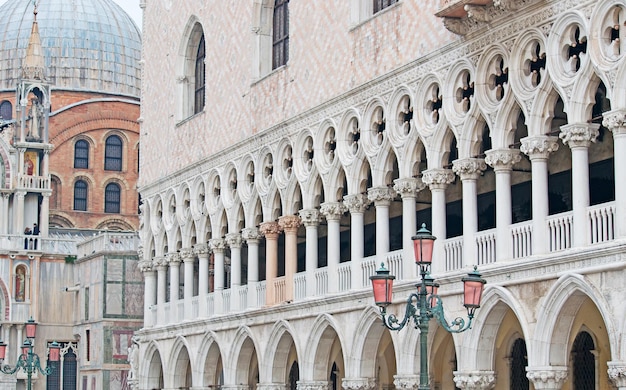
x=438 y=178
x=333 y=210
x=145 y=265
x=469 y=168
x=310 y=217
x=615 y=121
x=251 y=234
x=408 y=187
x=271 y=386
x=201 y=250
x=313 y=385
x=579 y=135
x=502 y=159
x=406 y=382
x=173 y=259
x=381 y=196
x=186 y=254
x=547 y=378
x=539 y=147
x=234 y=240
x=217 y=245
x=358 y=383
x=270 y=230
x=482 y=380
x=356 y=203
x=617 y=373
x=290 y=222
x=160 y=263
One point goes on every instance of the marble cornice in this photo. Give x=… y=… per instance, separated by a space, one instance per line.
x=440 y=60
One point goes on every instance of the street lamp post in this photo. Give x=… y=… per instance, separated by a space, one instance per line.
x=29 y=361
x=425 y=304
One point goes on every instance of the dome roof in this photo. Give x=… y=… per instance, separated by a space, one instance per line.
x=89 y=45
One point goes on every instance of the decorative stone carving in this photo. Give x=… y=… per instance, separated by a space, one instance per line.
x=289 y=222
x=160 y=263
x=333 y=210
x=469 y=168
x=201 y=250
x=547 y=378
x=438 y=178
x=251 y=234
x=579 y=135
x=271 y=386
x=310 y=217
x=217 y=245
x=482 y=380
x=479 y=13
x=313 y=385
x=173 y=258
x=408 y=187
x=381 y=196
x=502 y=159
x=615 y=121
x=539 y=147
x=617 y=373
x=145 y=265
x=233 y=240
x=234 y=387
x=270 y=229
x=406 y=382
x=358 y=383
x=186 y=254
x=356 y=203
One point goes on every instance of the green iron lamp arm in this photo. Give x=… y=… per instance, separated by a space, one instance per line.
x=457 y=325
x=411 y=312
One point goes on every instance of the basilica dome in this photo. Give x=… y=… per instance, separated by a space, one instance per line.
x=89 y=45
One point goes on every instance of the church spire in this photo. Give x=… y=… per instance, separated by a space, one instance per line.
x=33 y=68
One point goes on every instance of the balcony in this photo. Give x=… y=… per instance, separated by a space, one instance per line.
x=33 y=183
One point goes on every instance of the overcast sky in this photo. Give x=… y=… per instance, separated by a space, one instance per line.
x=130 y=6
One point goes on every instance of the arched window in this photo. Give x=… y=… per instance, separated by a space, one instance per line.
x=380 y=5
x=6 y=110
x=584 y=362
x=63 y=375
x=199 y=78
x=80 y=195
x=280 y=34
x=81 y=154
x=519 y=361
x=113 y=153
x=112 y=195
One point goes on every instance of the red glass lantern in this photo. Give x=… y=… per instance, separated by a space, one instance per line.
x=432 y=288
x=423 y=243
x=54 y=351
x=473 y=286
x=31 y=328
x=26 y=347
x=3 y=350
x=382 y=284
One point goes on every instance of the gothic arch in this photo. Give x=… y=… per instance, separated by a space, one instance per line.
x=274 y=367
x=152 y=366
x=209 y=355
x=319 y=345
x=181 y=361
x=244 y=349
x=365 y=344
x=186 y=61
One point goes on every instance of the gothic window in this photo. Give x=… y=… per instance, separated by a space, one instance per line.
x=80 y=195
x=113 y=153
x=81 y=154
x=112 y=195
x=379 y=5
x=64 y=372
x=199 y=78
x=519 y=361
x=584 y=362
x=6 y=110
x=280 y=34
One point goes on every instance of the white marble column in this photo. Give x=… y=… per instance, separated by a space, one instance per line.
x=475 y=380
x=615 y=121
x=218 y=245
x=252 y=236
x=356 y=204
x=290 y=225
x=469 y=170
x=579 y=136
x=502 y=161
x=408 y=188
x=188 y=258
x=18 y=212
x=44 y=217
x=173 y=259
x=271 y=231
x=4 y=213
x=437 y=180
x=150 y=285
x=547 y=378
x=311 y=221
x=202 y=251
x=333 y=211
x=161 y=266
x=617 y=374
x=538 y=149
x=234 y=241
x=381 y=197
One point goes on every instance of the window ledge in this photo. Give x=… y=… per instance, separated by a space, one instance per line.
x=374 y=16
x=270 y=74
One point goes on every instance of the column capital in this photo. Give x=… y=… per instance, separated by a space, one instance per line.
x=310 y=217
x=160 y=263
x=356 y=203
x=251 y=234
x=173 y=258
x=234 y=387
x=547 y=378
x=539 y=147
x=579 y=135
x=217 y=245
x=201 y=250
x=408 y=187
x=475 y=379
x=469 y=168
x=617 y=373
x=271 y=386
x=146 y=265
x=381 y=196
x=333 y=210
x=358 y=383
x=234 y=240
x=290 y=223
x=406 y=382
x=5 y=195
x=615 y=121
x=502 y=159
x=270 y=229
x=313 y=385
x=186 y=254
x=437 y=178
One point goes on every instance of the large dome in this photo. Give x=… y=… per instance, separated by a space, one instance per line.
x=89 y=45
